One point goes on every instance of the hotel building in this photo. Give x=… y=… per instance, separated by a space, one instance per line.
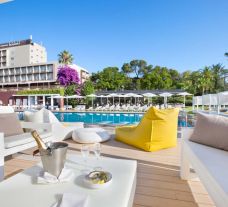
x=23 y=64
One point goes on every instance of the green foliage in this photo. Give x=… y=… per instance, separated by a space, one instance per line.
x=69 y=91
x=207 y=80
x=158 y=78
x=110 y=79
x=41 y=91
x=87 y=88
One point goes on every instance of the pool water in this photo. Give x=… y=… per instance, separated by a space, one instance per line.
x=107 y=118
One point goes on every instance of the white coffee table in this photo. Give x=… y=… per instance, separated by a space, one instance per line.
x=22 y=189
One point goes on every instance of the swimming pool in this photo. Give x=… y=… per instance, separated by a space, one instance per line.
x=106 y=118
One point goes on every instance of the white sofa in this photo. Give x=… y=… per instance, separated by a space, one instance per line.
x=209 y=163
x=12 y=144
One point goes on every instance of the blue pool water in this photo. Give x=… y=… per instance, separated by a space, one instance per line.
x=106 y=118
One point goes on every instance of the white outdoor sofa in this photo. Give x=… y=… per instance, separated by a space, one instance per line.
x=17 y=143
x=210 y=164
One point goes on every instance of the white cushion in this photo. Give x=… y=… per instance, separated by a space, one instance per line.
x=6 y=109
x=90 y=135
x=36 y=117
x=16 y=140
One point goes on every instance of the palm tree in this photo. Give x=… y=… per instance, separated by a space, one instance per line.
x=65 y=57
x=226 y=54
x=206 y=80
x=218 y=72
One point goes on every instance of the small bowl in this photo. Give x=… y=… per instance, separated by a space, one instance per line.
x=98 y=179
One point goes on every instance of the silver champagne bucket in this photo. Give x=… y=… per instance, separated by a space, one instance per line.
x=54 y=157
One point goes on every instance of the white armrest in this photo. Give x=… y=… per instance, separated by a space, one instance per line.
x=2 y=148
x=186 y=132
x=32 y=125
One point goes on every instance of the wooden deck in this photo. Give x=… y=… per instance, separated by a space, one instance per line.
x=158 y=181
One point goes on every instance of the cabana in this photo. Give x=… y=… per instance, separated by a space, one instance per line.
x=209 y=100
x=196 y=101
x=32 y=100
x=222 y=98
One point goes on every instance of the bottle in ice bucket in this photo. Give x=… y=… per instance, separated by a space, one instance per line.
x=53 y=156
x=39 y=141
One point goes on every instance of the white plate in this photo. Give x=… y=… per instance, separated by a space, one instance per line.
x=88 y=182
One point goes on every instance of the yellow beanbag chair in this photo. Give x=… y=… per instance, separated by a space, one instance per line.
x=157 y=130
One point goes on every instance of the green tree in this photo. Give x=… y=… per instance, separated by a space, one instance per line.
x=138 y=67
x=126 y=69
x=176 y=78
x=218 y=72
x=110 y=79
x=65 y=57
x=87 y=88
x=226 y=54
x=158 y=78
x=206 y=80
x=69 y=91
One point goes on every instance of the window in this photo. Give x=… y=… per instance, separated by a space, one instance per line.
x=50 y=76
x=6 y=79
x=12 y=71
x=6 y=72
x=29 y=77
x=43 y=68
x=50 y=68
x=30 y=69
x=36 y=77
x=43 y=76
x=23 y=70
x=11 y=78
x=36 y=69
x=17 y=78
x=23 y=77
x=17 y=70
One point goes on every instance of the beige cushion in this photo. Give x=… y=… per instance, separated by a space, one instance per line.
x=10 y=124
x=24 y=138
x=211 y=130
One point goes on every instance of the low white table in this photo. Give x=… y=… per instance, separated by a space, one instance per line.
x=22 y=189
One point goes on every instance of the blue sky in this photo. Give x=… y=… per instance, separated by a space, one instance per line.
x=180 y=34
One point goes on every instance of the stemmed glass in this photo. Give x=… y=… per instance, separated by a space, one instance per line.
x=85 y=154
x=97 y=153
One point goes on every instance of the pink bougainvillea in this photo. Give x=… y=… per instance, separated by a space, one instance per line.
x=67 y=76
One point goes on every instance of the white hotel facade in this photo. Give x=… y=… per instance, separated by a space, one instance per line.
x=23 y=64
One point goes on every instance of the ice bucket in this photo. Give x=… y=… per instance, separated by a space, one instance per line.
x=54 y=157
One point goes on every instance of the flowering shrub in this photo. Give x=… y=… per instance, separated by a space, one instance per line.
x=67 y=76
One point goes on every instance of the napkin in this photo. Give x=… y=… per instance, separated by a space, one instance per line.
x=65 y=176
x=72 y=200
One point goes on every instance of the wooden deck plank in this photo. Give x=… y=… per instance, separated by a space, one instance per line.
x=158 y=181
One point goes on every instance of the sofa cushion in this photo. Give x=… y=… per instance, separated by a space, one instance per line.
x=34 y=116
x=41 y=116
x=211 y=130
x=16 y=140
x=10 y=124
x=157 y=130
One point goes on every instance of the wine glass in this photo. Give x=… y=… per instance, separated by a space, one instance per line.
x=85 y=154
x=97 y=153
